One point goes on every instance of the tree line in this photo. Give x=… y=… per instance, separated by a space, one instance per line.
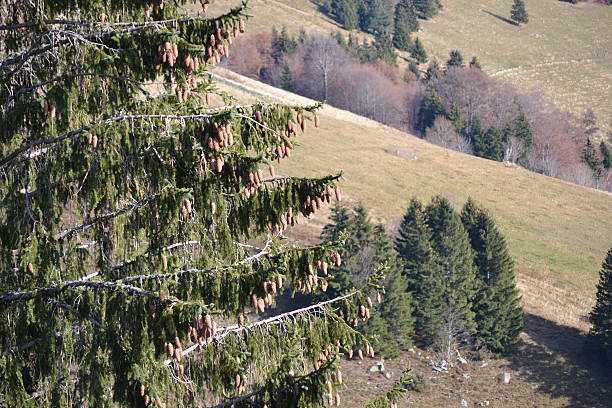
x=449 y=282
x=454 y=104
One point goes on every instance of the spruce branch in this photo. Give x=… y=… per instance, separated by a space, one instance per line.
x=208 y=113
x=21 y=58
x=278 y=319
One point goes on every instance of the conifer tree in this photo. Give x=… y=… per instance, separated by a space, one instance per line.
x=414 y=68
x=405 y=22
x=426 y=8
x=606 y=157
x=499 y=316
x=418 y=52
x=287 y=79
x=454 y=258
x=379 y=16
x=518 y=12
x=392 y=321
x=476 y=136
x=455 y=60
x=456 y=117
x=426 y=281
x=474 y=63
x=346 y=13
x=431 y=107
x=125 y=215
x=589 y=156
x=493 y=148
x=433 y=70
x=601 y=315
x=365 y=247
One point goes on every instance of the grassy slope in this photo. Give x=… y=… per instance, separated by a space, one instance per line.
x=565 y=51
x=558 y=234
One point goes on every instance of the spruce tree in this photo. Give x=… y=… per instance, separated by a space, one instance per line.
x=477 y=137
x=379 y=16
x=474 y=63
x=601 y=315
x=431 y=107
x=420 y=267
x=346 y=13
x=405 y=22
x=456 y=117
x=383 y=48
x=426 y=8
x=433 y=70
x=589 y=156
x=365 y=247
x=493 y=145
x=455 y=60
x=414 y=68
x=454 y=258
x=287 y=79
x=418 y=52
x=499 y=316
x=518 y=12
x=126 y=208
x=606 y=157
x=392 y=321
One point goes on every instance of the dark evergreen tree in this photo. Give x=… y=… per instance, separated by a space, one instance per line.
x=475 y=64
x=383 y=48
x=379 y=16
x=455 y=60
x=493 y=145
x=365 y=247
x=413 y=241
x=601 y=315
x=433 y=70
x=282 y=44
x=405 y=22
x=431 y=107
x=518 y=12
x=589 y=122
x=125 y=241
x=425 y=279
x=346 y=12
x=456 y=117
x=476 y=136
x=426 y=8
x=589 y=156
x=392 y=321
x=606 y=157
x=418 y=52
x=414 y=68
x=454 y=258
x=499 y=316
x=287 y=79
x=521 y=129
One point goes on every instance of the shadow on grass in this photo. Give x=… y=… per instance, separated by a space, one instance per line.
x=554 y=358
x=504 y=19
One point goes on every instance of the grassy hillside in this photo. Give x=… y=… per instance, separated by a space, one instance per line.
x=565 y=51
x=557 y=232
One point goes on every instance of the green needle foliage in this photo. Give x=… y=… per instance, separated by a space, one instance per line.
x=499 y=315
x=405 y=22
x=601 y=315
x=365 y=247
x=126 y=202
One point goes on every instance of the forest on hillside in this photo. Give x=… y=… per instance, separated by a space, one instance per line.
x=453 y=103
